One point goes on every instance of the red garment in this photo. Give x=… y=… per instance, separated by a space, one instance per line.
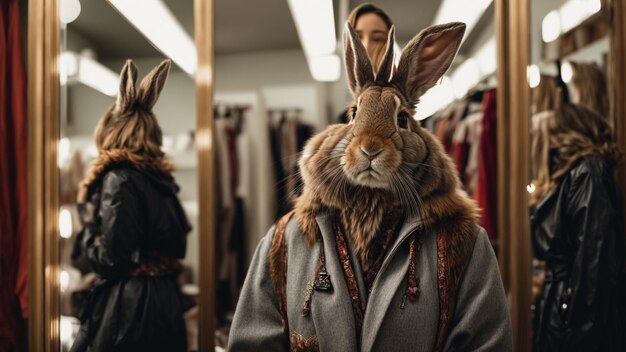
x=487 y=166
x=13 y=178
x=460 y=153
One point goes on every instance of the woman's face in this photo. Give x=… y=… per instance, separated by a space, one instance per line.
x=373 y=32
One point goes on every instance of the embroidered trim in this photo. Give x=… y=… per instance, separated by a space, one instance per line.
x=353 y=287
x=277 y=259
x=412 y=289
x=444 y=292
x=299 y=344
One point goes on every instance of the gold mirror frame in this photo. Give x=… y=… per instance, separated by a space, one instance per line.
x=43 y=173
x=512 y=28
x=512 y=24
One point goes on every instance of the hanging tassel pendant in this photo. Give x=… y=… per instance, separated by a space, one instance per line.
x=322 y=282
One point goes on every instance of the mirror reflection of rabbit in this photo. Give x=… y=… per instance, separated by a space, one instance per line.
x=135 y=228
x=388 y=185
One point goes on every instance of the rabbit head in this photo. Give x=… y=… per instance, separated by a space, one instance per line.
x=129 y=132
x=130 y=124
x=383 y=159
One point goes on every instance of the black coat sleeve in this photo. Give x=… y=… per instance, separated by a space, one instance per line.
x=594 y=225
x=113 y=251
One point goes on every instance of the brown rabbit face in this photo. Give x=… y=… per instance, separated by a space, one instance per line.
x=382 y=129
x=383 y=152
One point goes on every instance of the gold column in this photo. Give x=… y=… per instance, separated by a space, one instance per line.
x=512 y=25
x=204 y=133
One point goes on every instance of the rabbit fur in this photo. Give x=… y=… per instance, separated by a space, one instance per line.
x=383 y=161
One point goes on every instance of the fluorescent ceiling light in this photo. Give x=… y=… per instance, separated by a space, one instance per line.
x=569 y=15
x=574 y=12
x=89 y=72
x=68 y=66
x=466 y=11
x=97 y=76
x=325 y=68
x=551 y=26
x=315 y=23
x=157 y=23
x=69 y=10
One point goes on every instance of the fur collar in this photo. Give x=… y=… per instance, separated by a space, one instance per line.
x=118 y=157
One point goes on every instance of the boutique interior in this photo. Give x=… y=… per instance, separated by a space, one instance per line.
x=249 y=84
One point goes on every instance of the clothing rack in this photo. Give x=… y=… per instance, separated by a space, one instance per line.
x=283 y=113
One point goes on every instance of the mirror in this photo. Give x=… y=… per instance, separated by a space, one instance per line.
x=129 y=248
x=575 y=203
x=277 y=84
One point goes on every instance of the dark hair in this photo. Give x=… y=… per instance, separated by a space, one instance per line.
x=369 y=8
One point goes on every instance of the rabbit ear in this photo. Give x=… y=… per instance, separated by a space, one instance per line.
x=358 y=65
x=151 y=85
x=427 y=57
x=128 y=79
x=386 y=65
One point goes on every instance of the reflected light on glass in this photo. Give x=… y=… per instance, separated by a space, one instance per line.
x=65 y=223
x=63 y=151
x=551 y=26
x=435 y=99
x=534 y=76
x=325 y=68
x=68 y=66
x=157 y=23
x=567 y=72
x=97 y=76
x=66 y=329
x=69 y=10
x=64 y=280
x=465 y=77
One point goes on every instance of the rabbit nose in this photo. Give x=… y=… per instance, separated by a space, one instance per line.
x=372 y=152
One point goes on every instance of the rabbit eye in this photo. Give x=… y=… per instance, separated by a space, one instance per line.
x=352 y=113
x=403 y=119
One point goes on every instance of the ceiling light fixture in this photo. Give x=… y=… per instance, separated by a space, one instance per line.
x=157 y=23
x=533 y=76
x=69 y=10
x=89 y=72
x=569 y=15
x=315 y=23
x=567 y=72
x=97 y=76
x=466 y=11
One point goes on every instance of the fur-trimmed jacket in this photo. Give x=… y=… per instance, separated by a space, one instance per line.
x=135 y=232
x=471 y=315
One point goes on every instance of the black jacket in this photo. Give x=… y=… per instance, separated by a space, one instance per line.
x=132 y=216
x=578 y=230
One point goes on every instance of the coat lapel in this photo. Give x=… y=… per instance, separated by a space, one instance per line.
x=392 y=274
x=339 y=334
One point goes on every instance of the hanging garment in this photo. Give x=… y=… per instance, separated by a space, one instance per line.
x=488 y=168
x=13 y=178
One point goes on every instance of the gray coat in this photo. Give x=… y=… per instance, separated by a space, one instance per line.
x=480 y=318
